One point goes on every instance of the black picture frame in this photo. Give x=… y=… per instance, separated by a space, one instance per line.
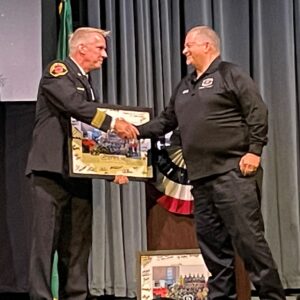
x=97 y=154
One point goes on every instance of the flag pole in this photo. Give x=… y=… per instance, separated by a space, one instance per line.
x=65 y=29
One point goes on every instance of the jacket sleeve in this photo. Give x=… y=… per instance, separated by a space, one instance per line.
x=164 y=123
x=253 y=109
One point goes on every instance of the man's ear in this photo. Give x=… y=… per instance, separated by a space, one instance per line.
x=82 y=48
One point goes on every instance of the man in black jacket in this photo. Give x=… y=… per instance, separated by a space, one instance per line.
x=223 y=127
x=62 y=206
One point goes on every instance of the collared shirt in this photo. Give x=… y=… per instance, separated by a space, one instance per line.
x=84 y=74
x=79 y=67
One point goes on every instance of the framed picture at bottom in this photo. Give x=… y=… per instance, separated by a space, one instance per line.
x=172 y=274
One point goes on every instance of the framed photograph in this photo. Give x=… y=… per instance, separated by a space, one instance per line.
x=95 y=153
x=172 y=274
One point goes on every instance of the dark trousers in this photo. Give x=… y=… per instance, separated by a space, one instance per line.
x=228 y=219
x=62 y=209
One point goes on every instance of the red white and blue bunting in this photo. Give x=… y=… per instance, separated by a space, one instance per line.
x=172 y=179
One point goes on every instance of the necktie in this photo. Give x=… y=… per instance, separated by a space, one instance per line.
x=89 y=84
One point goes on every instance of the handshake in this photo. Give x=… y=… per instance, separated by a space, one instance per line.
x=124 y=129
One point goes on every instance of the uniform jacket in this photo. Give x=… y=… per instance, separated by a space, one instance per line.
x=64 y=92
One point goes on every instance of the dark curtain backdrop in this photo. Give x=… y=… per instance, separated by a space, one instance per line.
x=144 y=64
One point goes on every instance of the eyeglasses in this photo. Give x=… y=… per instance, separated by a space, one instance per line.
x=189 y=45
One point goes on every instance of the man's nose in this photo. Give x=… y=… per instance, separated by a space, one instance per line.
x=104 y=54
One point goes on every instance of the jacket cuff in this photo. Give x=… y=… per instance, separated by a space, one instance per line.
x=106 y=125
x=256 y=149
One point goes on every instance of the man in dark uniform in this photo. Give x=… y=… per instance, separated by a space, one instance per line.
x=62 y=206
x=223 y=127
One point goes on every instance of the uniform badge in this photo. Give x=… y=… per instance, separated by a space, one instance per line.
x=58 y=69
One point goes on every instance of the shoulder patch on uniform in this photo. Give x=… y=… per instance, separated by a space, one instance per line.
x=58 y=69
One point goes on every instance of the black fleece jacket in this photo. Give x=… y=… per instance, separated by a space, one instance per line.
x=221 y=116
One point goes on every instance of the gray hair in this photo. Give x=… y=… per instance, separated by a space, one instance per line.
x=82 y=35
x=210 y=34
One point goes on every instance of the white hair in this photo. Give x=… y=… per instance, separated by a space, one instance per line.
x=209 y=33
x=82 y=35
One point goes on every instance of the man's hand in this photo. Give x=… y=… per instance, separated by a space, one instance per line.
x=121 y=179
x=249 y=164
x=125 y=130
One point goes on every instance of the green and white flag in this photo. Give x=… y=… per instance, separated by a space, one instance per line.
x=66 y=28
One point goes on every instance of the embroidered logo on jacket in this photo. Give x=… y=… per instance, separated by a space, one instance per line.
x=206 y=83
x=58 y=69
